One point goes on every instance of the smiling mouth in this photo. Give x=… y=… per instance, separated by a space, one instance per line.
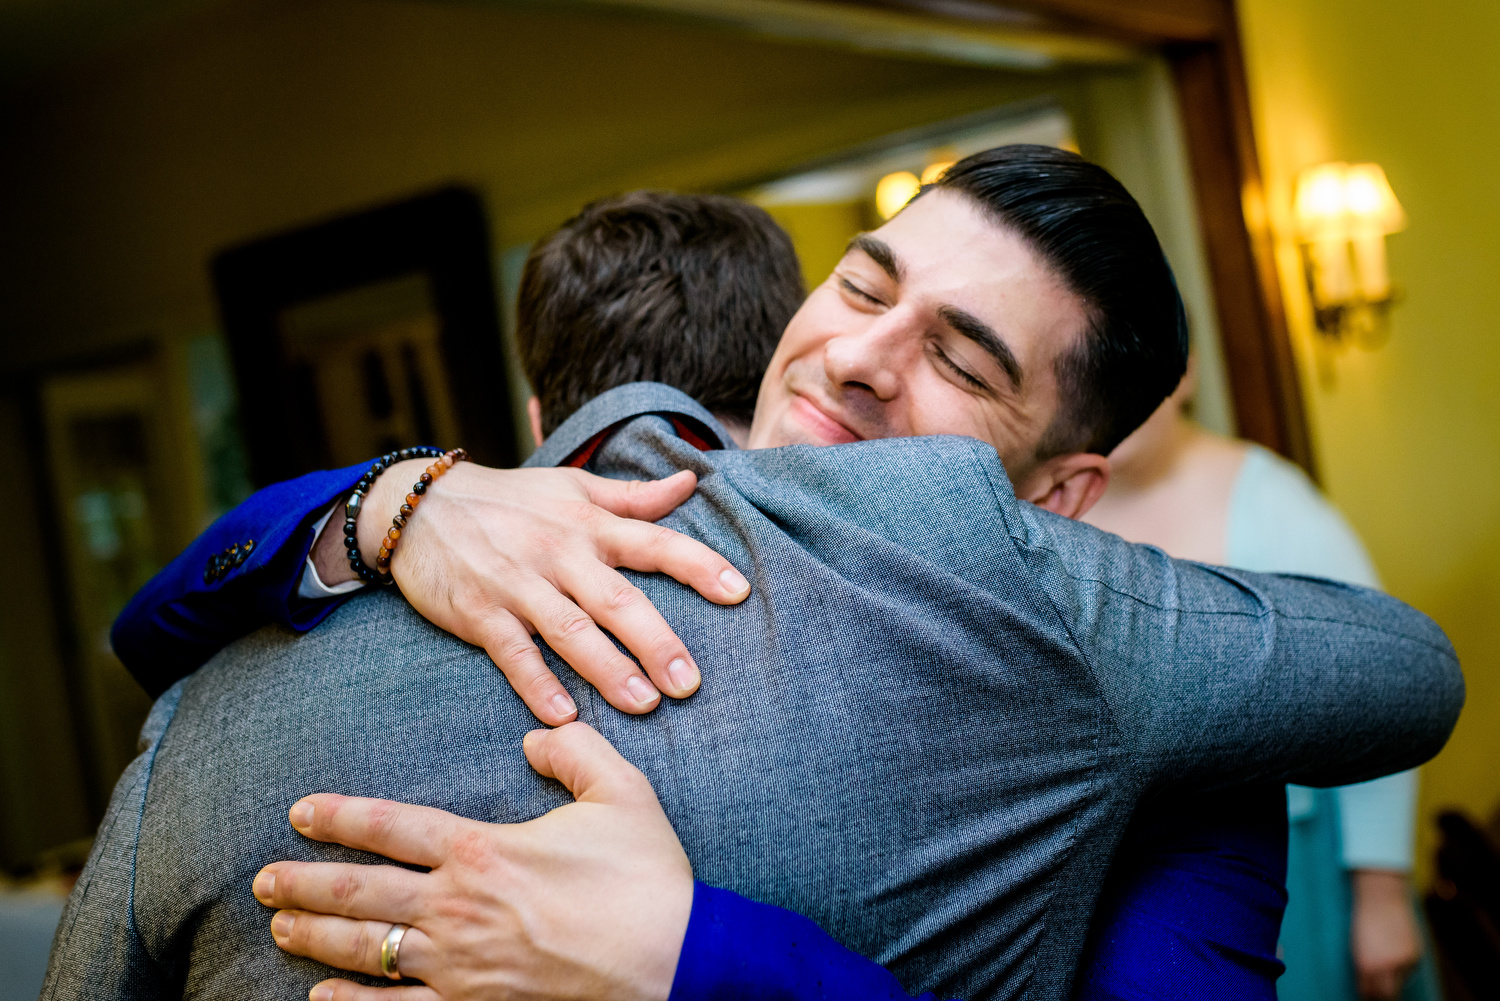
x=823 y=425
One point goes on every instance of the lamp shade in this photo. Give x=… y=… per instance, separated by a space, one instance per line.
x=1369 y=200
x=1338 y=200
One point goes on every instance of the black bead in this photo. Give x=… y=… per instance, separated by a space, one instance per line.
x=353 y=553
x=419 y=488
x=351 y=542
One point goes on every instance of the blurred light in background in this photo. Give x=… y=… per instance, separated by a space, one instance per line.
x=894 y=191
x=936 y=170
x=823 y=206
x=1343 y=214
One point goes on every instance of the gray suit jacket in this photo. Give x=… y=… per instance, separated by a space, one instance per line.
x=925 y=729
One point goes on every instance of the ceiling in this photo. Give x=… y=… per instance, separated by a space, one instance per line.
x=37 y=36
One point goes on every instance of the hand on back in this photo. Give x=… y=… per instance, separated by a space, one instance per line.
x=496 y=556
x=590 y=900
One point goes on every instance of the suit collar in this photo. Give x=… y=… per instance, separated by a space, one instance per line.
x=587 y=426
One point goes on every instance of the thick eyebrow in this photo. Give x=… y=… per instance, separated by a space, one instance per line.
x=881 y=253
x=984 y=335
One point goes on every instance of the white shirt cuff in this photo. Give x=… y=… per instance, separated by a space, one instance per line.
x=311 y=586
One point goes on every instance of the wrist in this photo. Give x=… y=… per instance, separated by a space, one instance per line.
x=383 y=503
x=1379 y=884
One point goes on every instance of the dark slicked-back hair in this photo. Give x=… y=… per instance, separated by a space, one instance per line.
x=1086 y=226
x=690 y=290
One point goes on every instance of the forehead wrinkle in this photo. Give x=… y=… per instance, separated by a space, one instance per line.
x=981 y=333
x=881 y=253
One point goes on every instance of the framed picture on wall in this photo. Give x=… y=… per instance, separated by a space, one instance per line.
x=368 y=333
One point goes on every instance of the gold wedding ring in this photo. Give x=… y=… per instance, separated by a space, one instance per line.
x=390 y=951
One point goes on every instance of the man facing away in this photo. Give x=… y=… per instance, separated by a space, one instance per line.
x=933 y=716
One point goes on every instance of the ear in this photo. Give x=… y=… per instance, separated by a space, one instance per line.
x=534 y=411
x=1067 y=484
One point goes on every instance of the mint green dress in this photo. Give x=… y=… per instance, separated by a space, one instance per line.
x=1280 y=523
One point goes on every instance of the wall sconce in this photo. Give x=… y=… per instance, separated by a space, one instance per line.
x=1344 y=213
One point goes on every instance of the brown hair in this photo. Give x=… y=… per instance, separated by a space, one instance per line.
x=690 y=290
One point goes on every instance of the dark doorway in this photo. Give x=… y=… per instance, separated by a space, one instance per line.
x=368 y=333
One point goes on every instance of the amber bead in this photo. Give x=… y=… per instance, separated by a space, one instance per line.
x=411 y=501
x=393 y=534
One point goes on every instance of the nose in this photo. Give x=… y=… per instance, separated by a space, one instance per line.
x=873 y=359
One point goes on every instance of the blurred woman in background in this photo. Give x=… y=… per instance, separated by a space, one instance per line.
x=1350 y=929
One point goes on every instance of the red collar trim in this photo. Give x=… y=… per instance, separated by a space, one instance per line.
x=585 y=452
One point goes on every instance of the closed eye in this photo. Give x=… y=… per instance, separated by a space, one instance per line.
x=855 y=290
x=960 y=371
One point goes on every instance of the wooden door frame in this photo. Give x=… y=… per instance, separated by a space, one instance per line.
x=1200 y=40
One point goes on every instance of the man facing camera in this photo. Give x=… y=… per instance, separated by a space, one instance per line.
x=929 y=725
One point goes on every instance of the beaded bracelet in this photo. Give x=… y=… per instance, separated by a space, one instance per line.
x=388 y=544
x=356 y=500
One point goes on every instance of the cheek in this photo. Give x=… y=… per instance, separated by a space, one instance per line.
x=939 y=407
x=810 y=328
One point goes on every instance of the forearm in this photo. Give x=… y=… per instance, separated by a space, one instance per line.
x=1219 y=676
x=738 y=950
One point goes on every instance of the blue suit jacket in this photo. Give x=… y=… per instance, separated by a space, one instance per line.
x=239 y=575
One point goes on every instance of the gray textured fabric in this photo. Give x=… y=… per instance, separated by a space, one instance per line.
x=925 y=729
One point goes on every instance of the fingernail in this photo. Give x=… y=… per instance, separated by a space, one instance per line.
x=684 y=676
x=639 y=689
x=733 y=582
x=264 y=886
x=301 y=815
x=281 y=926
x=322 y=992
x=562 y=705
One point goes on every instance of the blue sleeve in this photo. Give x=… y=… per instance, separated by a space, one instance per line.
x=1193 y=904
x=738 y=950
x=240 y=574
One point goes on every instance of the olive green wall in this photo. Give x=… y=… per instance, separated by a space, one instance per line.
x=1408 y=435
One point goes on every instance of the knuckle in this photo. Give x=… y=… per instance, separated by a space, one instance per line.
x=346 y=886
x=620 y=594
x=586 y=514
x=384 y=816
x=662 y=537
x=471 y=849
x=517 y=650
x=365 y=942
x=572 y=624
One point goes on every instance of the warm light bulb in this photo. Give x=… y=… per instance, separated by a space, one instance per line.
x=894 y=191
x=1321 y=207
x=1370 y=201
x=935 y=171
